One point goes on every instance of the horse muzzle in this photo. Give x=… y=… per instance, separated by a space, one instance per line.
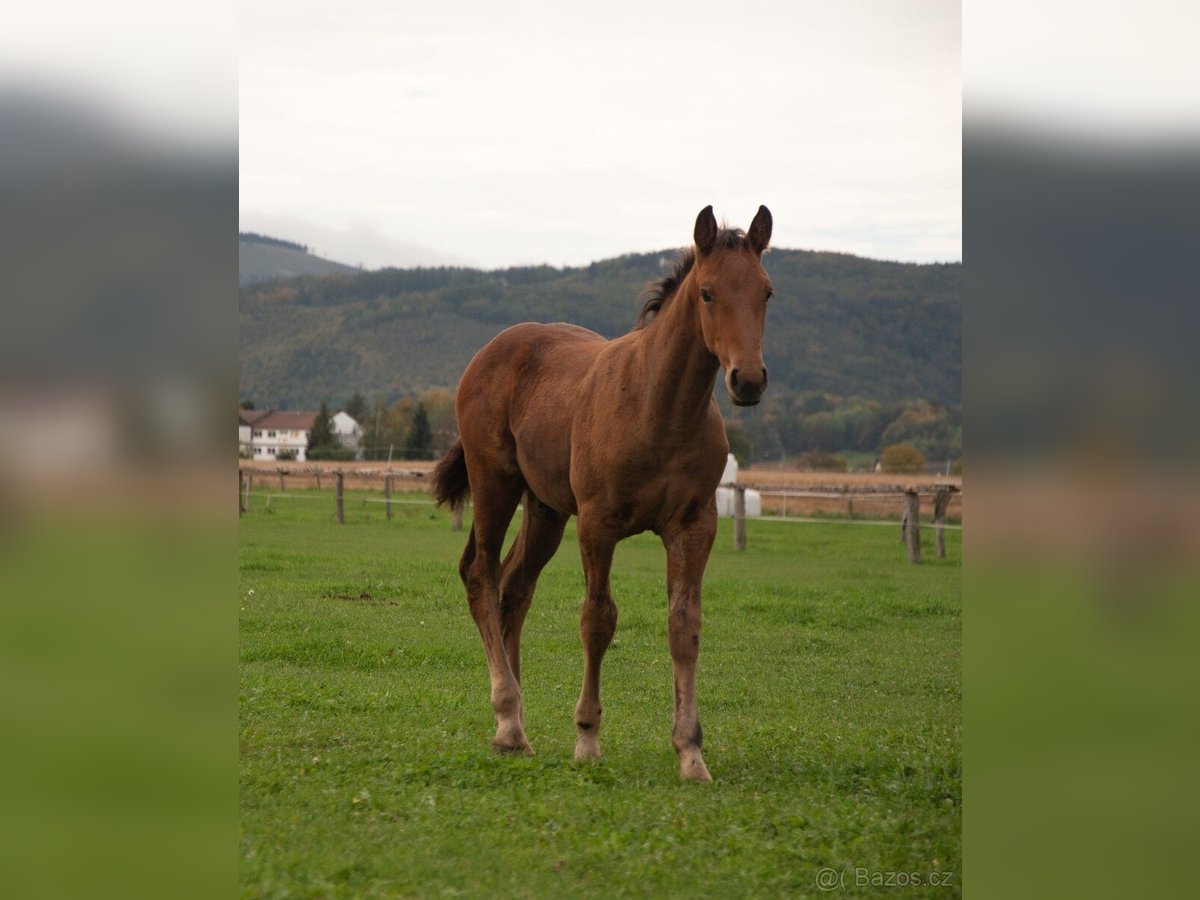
x=746 y=386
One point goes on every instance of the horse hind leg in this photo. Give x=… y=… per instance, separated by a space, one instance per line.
x=467 y=558
x=538 y=541
x=495 y=501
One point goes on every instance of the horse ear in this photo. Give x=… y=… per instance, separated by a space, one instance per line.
x=759 y=234
x=706 y=230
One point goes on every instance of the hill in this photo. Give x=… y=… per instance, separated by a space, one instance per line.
x=262 y=258
x=849 y=340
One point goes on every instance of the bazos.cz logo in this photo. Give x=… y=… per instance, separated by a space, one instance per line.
x=845 y=879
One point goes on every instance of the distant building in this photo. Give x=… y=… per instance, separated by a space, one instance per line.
x=348 y=432
x=246 y=420
x=274 y=434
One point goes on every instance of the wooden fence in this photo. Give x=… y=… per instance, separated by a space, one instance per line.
x=854 y=502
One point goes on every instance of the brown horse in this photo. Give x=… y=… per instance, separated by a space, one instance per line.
x=626 y=435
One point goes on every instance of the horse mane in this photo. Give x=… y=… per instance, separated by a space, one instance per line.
x=656 y=294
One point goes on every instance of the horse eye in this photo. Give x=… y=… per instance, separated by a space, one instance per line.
x=770 y=294
x=705 y=295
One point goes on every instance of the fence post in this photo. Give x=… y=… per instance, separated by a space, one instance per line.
x=249 y=481
x=387 y=495
x=940 y=502
x=280 y=471
x=912 y=524
x=739 y=516
x=341 y=513
x=456 y=522
x=318 y=472
x=241 y=480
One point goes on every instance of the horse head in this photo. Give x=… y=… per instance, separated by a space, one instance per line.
x=732 y=290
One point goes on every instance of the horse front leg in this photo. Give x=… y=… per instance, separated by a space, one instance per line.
x=597 y=624
x=687 y=547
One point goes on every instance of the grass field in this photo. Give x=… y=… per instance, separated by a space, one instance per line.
x=829 y=687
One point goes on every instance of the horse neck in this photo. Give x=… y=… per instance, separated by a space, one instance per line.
x=681 y=372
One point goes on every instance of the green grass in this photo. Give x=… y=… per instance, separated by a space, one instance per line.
x=829 y=687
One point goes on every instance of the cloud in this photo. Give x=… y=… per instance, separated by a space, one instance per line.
x=560 y=135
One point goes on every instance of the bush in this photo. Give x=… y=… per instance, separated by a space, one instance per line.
x=285 y=455
x=902 y=458
x=823 y=462
x=330 y=451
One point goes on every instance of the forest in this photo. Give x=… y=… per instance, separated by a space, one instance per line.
x=862 y=353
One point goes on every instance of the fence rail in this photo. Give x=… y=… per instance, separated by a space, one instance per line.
x=908 y=499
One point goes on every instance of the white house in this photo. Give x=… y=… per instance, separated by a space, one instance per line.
x=274 y=434
x=246 y=420
x=348 y=432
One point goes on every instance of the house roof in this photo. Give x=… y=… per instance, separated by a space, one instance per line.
x=278 y=418
x=250 y=416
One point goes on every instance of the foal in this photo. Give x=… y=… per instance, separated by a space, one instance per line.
x=626 y=435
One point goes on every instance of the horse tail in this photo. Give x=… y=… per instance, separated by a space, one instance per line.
x=450 y=485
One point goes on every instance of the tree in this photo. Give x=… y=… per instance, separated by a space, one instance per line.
x=902 y=458
x=371 y=429
x=824 y=431
x=331 y=451
x=820 y=461
x=439 y=404
x=386 y=428
x=322 y=429
x=420 y=438
x=356 y=408
x=739 y=445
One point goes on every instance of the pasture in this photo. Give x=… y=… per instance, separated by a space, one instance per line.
x=829 y=691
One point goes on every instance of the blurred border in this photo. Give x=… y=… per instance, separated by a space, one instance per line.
x=118 y=362
x=118 y=642
x=1080 y=323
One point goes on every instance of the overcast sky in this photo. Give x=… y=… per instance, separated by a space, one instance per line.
x=498 y=134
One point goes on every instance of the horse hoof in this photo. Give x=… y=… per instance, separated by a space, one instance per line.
x=694 y=770
x=521 y=749
x=509 y=750
x=587 y=749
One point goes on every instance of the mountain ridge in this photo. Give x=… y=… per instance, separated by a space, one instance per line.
x=262 y=258
x=839 y=324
